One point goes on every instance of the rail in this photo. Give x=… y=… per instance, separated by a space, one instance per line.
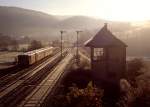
x=26 y=84
x=9 y=81
x=36 y=98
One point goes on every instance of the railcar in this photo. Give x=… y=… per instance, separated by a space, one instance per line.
x=34 y=56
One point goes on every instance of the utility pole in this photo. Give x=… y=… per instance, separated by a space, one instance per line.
x=61 y=32
x=77 y=52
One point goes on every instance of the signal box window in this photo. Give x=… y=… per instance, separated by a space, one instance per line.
x=98 y=53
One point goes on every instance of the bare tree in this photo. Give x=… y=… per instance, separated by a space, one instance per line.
x=15 y=45
x=35 y=45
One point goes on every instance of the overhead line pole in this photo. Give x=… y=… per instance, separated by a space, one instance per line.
x=62 y=42
x=77 y=52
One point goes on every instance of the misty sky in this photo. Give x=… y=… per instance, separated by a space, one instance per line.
x=119 y=10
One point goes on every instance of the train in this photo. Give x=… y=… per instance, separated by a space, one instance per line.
x=31 y=57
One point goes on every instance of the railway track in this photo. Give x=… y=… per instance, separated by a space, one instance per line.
x=13 y=94
x=37 y=97
x=10 y=77
x=7 y=80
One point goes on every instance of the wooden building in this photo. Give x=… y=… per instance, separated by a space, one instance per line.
x=108 y=56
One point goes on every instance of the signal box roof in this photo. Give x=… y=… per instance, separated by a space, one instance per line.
x=104 y=38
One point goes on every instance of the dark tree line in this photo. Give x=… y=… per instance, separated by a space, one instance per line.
x=34 y=44
x=7 y=41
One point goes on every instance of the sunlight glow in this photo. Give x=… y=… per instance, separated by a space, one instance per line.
x=115 y=10
x=122 y=10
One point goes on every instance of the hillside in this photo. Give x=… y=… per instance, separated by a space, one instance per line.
x=18 y=21
x=81 y=22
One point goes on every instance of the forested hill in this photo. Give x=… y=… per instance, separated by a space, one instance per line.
x=19 y=21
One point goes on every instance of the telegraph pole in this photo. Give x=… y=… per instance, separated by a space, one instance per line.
x=77 y=52
x=61 y=32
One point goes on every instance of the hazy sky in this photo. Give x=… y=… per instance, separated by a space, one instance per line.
x=120 y=10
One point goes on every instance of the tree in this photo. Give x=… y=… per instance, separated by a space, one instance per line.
x=35 y=45
x=134 y=70
x=86 y=97
x=15 y=45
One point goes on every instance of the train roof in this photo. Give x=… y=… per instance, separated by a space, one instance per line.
x=36 y=51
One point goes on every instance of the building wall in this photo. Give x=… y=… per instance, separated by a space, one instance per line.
x=114 y=65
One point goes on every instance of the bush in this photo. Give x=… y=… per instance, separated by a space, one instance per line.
x=143 y=94
x=136 y=91
x=87 y=97
x=135 y=97
x=133 y=70
x=80 y=77
x=35 y=45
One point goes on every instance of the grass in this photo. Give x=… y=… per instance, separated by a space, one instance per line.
x=7 y=59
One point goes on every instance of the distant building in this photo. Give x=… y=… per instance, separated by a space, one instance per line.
x=108 y=56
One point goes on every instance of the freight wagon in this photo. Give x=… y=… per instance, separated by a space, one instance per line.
x=34 y=56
